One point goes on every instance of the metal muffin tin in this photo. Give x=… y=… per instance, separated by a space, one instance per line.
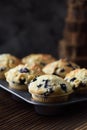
x=43 y=108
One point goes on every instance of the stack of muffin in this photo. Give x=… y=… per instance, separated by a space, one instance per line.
x=74 y=43
x=46 y=78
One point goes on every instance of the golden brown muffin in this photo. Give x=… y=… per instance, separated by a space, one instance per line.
x=78 y=80
x=7 y=61
x=60 y=67
x=49 y=88
x=38 y=59
x=19 y=77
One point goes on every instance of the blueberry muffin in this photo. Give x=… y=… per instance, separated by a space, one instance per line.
x=78 y=80
x=60 y=67
x=19 y=77
x=7 y=61
x=38 y=59
x=49 y=88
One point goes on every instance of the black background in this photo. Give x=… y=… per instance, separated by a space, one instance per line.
x=31 y=26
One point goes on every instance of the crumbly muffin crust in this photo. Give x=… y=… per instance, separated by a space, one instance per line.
x=38 y=59
x=60 y=67
x=78 y=79
x=19 y=77
x=7 y=61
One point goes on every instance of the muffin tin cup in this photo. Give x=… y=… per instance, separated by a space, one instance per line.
x=48 y=110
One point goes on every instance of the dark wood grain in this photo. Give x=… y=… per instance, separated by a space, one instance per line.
x=18 y=115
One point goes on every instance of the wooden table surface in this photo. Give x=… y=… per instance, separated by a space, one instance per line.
x=18 y=115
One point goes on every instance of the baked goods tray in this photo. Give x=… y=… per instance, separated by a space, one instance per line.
x=43 y=108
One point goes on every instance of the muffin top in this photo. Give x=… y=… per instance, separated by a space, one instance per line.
x=35 y=69
x=60 y=67
x=8 y=61
x=21 y=74
x=49 y=85
x=77 y=78
x=39 y=59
